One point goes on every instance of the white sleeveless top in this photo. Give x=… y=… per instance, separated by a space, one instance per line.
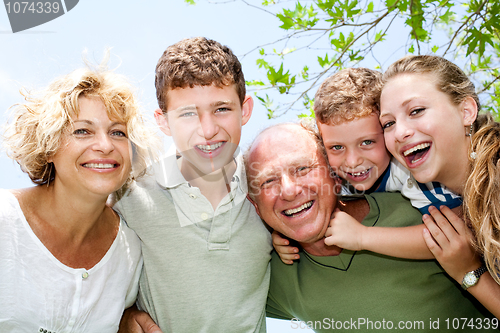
x=40 y=294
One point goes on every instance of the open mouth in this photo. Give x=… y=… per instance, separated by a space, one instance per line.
x=360 y=175
x=210 y=148
x=416 y=153
x=100 y=165
x=296 y=211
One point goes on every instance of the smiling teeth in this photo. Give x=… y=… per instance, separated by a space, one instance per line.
x=298 y=209
x=209 y=148
x=99 y=166
x=417 y=147
x=357 y=174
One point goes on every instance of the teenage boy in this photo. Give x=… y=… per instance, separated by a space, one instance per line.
x=346 y=110
x=206 y=251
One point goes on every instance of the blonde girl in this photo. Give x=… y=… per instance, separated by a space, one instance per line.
x=429 y=112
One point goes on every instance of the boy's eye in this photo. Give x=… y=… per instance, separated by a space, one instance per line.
x=388 y=124
x=336 y=147
x=187 y=114
x=367 y=142
x=223 y=109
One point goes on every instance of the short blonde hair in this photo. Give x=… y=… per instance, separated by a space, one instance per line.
x=34 y=131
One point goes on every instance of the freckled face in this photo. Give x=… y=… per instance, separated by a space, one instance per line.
x=94 y=154
x=356 y=150
x=293 y=191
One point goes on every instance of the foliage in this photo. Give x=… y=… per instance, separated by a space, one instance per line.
x=324 y=36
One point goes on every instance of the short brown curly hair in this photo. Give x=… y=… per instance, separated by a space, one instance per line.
x=347 y=95
x=197 y=61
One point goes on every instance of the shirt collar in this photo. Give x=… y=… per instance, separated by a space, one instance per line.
x=168 y=174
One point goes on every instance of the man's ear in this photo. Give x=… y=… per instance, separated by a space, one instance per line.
x=162 y=121
x=254 y=204
x=469 y=107
x=246 y=109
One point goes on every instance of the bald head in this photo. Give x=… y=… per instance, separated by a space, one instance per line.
x=289 y=182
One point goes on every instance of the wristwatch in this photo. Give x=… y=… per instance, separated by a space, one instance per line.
x=471 y=278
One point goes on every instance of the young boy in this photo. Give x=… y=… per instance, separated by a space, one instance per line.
x=346 y=111
x=206 y=251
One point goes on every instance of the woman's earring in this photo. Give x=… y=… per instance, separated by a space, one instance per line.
x=50 y=174
x=470 y=131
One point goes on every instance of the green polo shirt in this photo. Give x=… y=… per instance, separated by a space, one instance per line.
x=365 y=291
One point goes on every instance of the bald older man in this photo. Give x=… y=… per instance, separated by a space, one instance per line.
x=331 y=288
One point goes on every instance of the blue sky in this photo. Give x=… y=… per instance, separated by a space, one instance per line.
x=138 y=33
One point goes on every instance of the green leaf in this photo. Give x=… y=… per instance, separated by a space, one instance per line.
x=268 y=104
x=369 y=9
x=323 y=61
x=379 y=37
x=287 y=22
x=262 y=63
x=411 y=49
x=254 y=83
x=435 y=48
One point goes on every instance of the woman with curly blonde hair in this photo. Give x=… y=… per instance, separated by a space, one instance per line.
x=68 y=261
x=429 y=112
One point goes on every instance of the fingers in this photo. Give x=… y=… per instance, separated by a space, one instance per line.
x=457 y=223
x=442 y=221
x=278 y=239
x=330 y=241
x=286 y=252
x=431 y=243
x=434 y=229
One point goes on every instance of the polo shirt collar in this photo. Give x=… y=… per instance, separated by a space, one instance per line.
x=168 y=175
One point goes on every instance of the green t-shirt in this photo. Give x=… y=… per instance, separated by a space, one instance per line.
x=365 y=291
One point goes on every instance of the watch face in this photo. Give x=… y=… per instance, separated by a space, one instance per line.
x=469 y=279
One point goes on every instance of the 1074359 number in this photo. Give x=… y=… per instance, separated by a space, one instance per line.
x=32 y=7
x=472 y=323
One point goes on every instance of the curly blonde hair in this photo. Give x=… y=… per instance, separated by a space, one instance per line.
x=349 y=94
x=34 y=132
x=482 y=191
